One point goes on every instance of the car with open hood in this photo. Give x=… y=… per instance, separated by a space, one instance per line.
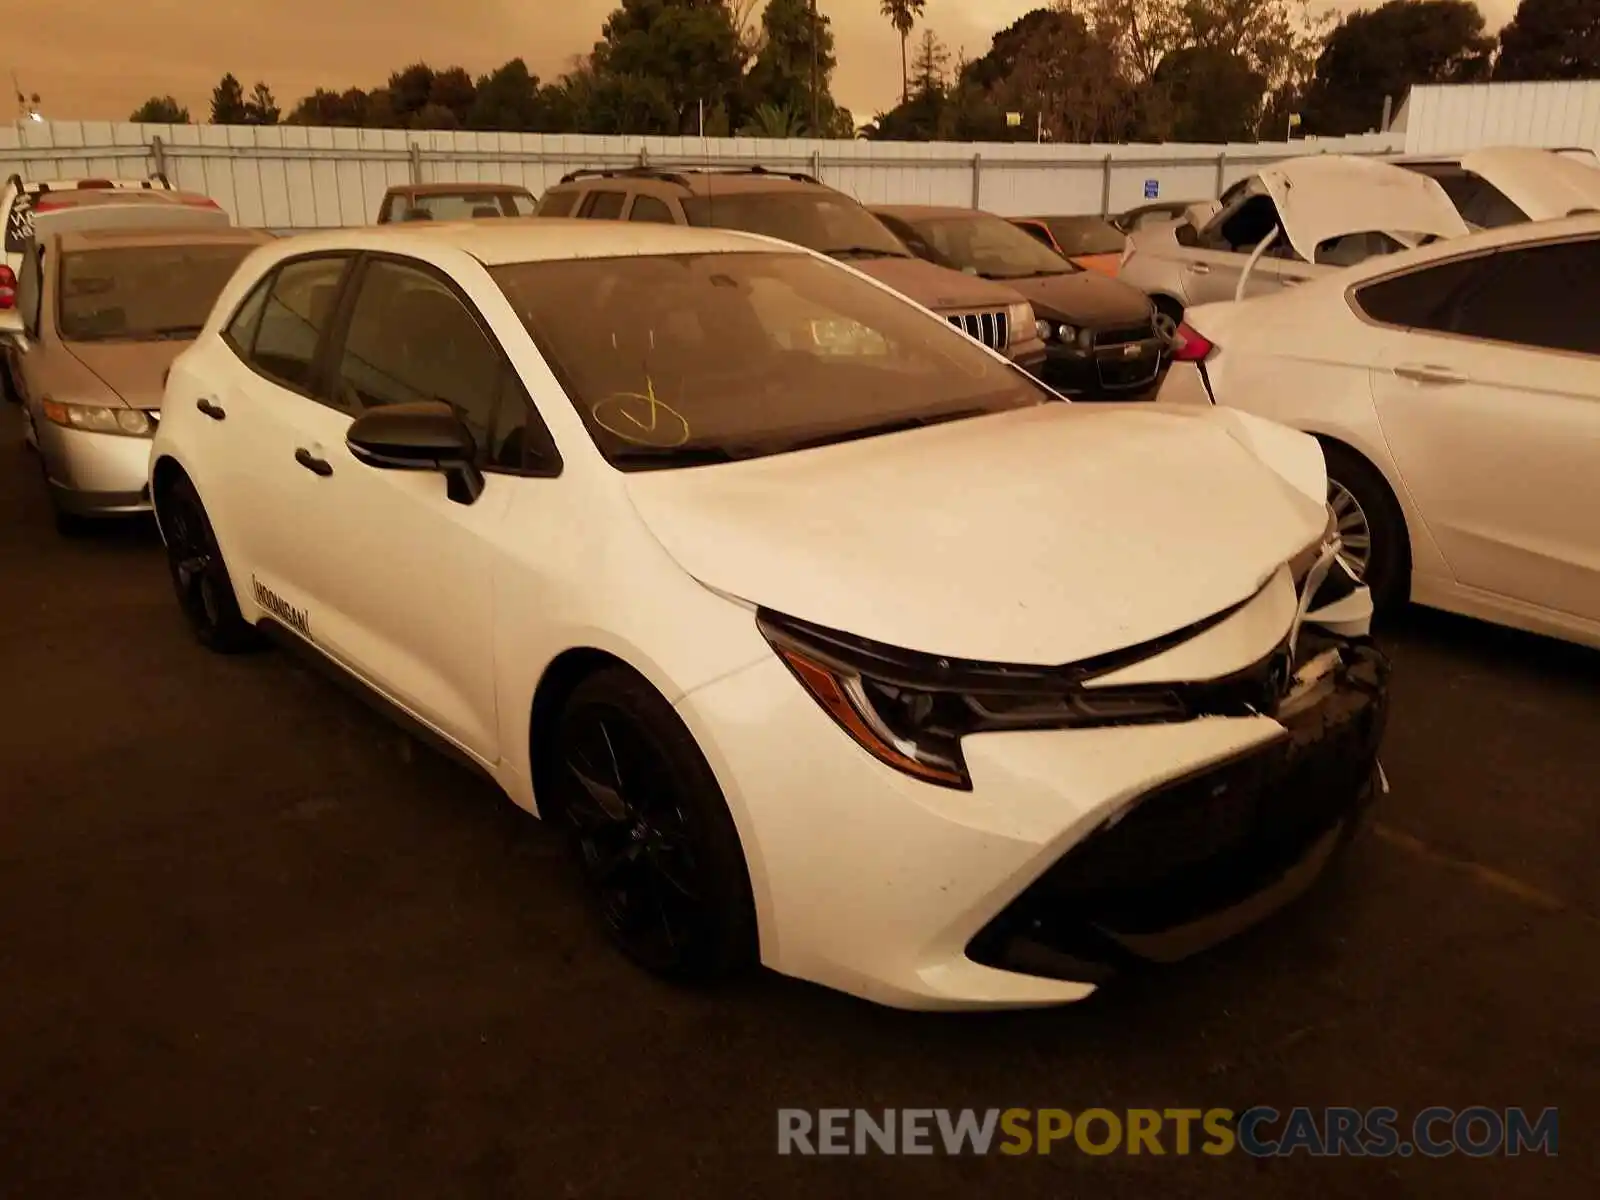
x=1507 y=185
x=801 y=209
x=1456 y=390
x=857 y=652
x=1103 y=339
x=108 y=295
x=1288 y=223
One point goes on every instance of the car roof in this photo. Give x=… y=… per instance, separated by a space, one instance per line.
x=697 y=181
x=910 y=212
x=535 y=239
x=56 y=200
x=105 y=239
x=454 y=189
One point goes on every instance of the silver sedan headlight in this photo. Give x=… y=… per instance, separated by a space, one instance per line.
x=89 y=418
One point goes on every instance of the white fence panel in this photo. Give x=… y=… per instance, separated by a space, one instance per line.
x=295 y=177
x=1452 y=118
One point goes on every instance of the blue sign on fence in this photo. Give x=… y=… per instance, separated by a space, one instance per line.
x=1152 y=188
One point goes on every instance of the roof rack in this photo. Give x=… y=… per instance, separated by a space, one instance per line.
x=679 y=172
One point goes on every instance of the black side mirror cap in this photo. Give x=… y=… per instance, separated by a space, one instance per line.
x=426 y=436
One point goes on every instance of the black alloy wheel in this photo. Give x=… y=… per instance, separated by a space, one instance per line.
x=199 y=576
x=650 y=830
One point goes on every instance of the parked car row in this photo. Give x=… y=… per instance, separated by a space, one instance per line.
x=829 y=637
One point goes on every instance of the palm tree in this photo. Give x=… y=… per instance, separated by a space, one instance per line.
x=903 y=16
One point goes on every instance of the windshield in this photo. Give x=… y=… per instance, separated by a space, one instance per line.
x=685 y=359
x=143 y=292
x=1085 y=235
x=990 y=246
x=464 y=206
x=818 y=220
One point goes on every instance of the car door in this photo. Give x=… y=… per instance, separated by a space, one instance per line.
x=398 y=577
x=1487 y=385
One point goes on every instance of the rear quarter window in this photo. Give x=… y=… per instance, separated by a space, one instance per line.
x=558 y=204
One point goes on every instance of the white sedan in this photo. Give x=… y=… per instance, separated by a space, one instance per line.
x=829 y=637
x=1456 y=390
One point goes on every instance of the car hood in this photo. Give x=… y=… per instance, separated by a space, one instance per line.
x=1086 y=298
x=936 y=287
x=1328 y=196
x=1044 y=535
x=135 y=372
x=1542 y=183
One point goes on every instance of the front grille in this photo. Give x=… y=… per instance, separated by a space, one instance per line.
x=1197 y=849
x=993 y=329
x=1117 y=374
x=1123 y=334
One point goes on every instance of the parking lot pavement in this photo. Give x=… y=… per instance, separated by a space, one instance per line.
x=256 y=943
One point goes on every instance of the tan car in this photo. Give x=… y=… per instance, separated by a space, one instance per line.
x=454 y=202
x=800 y=209
x=101 y=310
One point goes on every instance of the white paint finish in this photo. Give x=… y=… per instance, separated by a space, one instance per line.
x=1494 y=465
x=1319 y=199
x=1453 y=118
x=864 y=878
x=302 y=177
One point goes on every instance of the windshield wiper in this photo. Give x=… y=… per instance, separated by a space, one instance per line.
x=1039 y=274
x=672 y=456
x=167 y=332
x=864 y=252
x=884 y=428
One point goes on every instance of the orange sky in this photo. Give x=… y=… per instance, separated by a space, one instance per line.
x=101 y=58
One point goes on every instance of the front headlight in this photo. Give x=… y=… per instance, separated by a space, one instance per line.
x=127 y=422
x=1023 y=324
x=911 y=710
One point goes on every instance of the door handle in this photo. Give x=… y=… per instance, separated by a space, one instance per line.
x=1423 y=373
x=1199 y=269
x=211 y=408
x=317 y=466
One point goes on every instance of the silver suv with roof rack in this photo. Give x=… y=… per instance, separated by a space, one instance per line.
x=801 y=209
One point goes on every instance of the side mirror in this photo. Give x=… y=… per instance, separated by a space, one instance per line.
x=419 y=437
x=1187 y=234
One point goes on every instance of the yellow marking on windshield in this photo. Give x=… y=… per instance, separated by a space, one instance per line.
x=660 y=425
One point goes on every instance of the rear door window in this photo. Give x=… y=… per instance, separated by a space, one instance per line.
x=558 y=204
x=298 y=311
x=603 y=206
x=651 y=210
x=1543 y=297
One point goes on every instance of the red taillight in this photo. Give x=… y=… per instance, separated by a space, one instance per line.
x=44 y=204
x=1188 y=345
x=8 y=289
x=199 y=202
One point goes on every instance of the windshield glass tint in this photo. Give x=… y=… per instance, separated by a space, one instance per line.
x=143 y=291
x=994 y=248
x=1086 y=235
x=823 y=221
x=685 y=359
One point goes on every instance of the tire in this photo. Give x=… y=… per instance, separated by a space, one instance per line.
x=661 y=859
x=69 y=525
x=199 y=575
x=1170 y=310
x=1361 y=500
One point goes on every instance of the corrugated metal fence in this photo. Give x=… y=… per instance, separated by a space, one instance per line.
x=297 y=177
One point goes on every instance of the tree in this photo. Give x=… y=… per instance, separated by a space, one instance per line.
x=410 y=90
x=684 y=52
x=921 y=117
x=508 y=98
x=324 y=107
x=160 y=110
x=774 y=121
x=1063 y=76
x=1389 y=50
x=1213 y=94
x=453 y=89
x=1551 y=39
x=903 y=15
x=262 y=107
x=227 y=102
x=794 y=67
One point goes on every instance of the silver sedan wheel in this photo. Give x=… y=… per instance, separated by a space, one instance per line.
x=1355 y=531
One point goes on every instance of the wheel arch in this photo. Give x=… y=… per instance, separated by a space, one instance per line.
x=560 y=678
x=1395 y=488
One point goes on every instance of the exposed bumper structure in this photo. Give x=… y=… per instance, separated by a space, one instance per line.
x=1076 y=852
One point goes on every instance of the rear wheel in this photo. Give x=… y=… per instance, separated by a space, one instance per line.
x=650 y=830
x=1376 y=544
x=199 y=576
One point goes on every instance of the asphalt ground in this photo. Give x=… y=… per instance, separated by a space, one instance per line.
x=256 y=942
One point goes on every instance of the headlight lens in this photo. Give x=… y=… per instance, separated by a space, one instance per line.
x=911 y=710
x=128 y=422
x=1022 y=322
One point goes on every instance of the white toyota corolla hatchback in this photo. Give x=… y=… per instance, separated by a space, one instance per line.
x=831 y=638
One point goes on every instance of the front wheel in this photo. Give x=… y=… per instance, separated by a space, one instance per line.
x=651 y=831
x=199 y=576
